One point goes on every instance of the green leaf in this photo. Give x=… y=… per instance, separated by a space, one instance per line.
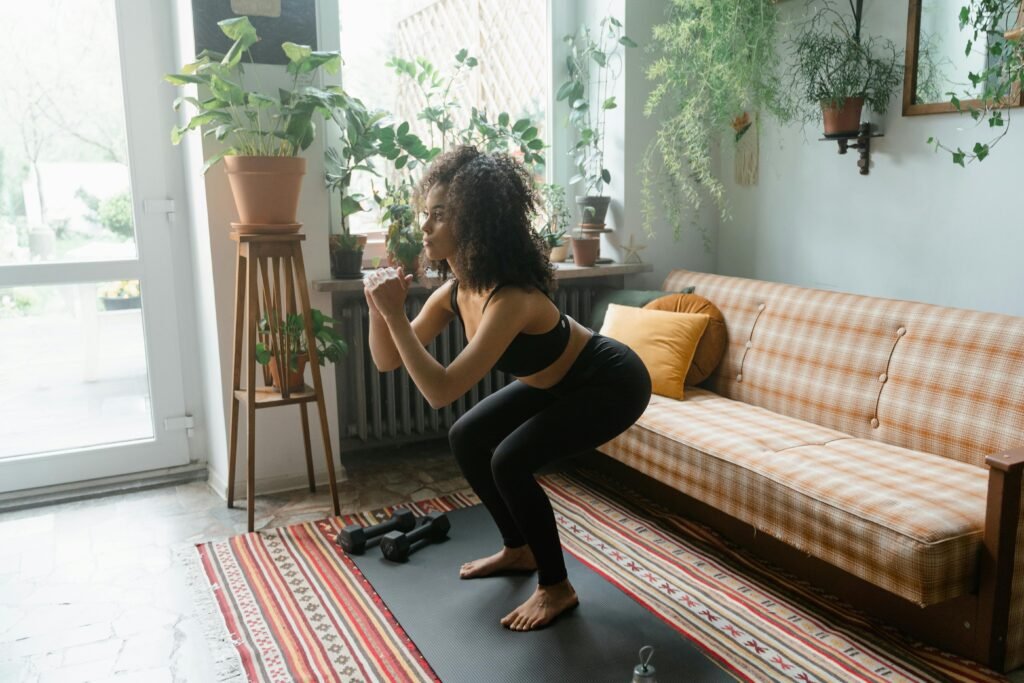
x=503 y=119
x=350 y=206
x=565 y=91
x=520 y=125
x=461 y=55
x=262 y=354
x=981 y=151
x=296 y=53
x=184 y=79
x=529 y=134
x=214 y=159
x=472 y=61
x=627 y=41
x=177 y=134
x=605 y=175
x=599 y=57
x=959 y=156
x=608 y=103
x=535 y=144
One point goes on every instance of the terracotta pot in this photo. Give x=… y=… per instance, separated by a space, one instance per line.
x=585 y=250
x=266 y=189
x=559 y=253
x=296 y=378
x=842 y=120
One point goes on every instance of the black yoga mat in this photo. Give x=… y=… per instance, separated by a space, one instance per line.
x=456 y=623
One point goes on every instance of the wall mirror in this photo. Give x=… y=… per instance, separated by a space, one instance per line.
x=935 y=59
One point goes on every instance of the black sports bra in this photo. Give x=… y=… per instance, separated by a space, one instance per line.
x=528 y=353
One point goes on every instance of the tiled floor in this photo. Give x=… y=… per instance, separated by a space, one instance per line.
x=89 y=591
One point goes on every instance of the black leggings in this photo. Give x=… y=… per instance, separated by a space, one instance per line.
x=509 y=435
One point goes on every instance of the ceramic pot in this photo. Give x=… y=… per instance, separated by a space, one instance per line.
x=559 y=253
x=266 y=189
x=593 y=210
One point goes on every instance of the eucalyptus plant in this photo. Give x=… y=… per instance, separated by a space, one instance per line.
x=715 y=60
x=990 y=25
x=594 y=65
x=833 y=61
x=251 y=122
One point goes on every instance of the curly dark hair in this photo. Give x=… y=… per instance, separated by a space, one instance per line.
x=490 y=203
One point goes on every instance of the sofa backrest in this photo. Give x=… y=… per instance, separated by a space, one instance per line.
x=942 y=380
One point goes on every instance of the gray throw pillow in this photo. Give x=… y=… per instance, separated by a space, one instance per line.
x=624 y=297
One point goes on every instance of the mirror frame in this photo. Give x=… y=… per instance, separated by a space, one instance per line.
x=912 y=108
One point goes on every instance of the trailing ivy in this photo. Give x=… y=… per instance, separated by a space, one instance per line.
x=717 y=59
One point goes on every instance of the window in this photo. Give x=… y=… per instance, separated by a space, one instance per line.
x=508 y=38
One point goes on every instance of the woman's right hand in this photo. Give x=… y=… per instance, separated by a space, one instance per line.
x=369 y=301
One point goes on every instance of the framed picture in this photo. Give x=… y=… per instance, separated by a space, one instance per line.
x=276 y=22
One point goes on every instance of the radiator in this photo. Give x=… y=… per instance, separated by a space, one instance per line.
x=380 y=409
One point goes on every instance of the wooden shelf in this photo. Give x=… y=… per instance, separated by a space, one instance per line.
x=268 y=398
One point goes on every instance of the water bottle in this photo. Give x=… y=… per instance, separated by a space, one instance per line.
x=644 y=672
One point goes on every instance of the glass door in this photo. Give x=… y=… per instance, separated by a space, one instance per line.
x=90 y=367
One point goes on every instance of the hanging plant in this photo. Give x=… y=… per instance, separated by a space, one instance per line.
x=717 y=59
x=995 y=32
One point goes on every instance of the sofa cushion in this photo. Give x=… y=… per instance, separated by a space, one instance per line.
x=907 y=521
x=623 y=297
x=665 y=342
x=712 y=343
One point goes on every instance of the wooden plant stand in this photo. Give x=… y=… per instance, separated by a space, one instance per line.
x=259 y=286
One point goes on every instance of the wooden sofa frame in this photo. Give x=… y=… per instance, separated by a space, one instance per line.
x=974 y=626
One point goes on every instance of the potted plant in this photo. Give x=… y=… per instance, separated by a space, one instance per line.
x=264 y=133
x=581 y=90
x=837 y=70
x=292 y=333
x=994 y=26
x=404 y=239
x=714 y=60
x=556 y=220
x=363 y=135
x=121 y=295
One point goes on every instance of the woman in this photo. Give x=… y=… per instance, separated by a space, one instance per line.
x=574 y=389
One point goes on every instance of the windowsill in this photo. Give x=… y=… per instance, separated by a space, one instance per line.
x=563 y=271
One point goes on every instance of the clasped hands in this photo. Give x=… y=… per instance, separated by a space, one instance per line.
x=386 y=290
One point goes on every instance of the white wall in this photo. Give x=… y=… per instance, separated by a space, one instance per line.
x=916 y=228
x=629 y=133
x=280 y=458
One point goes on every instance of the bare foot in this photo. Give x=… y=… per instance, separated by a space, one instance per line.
x=546 y=603
x=506 y=559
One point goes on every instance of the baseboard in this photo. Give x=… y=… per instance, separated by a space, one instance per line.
x=105 y=486
x=267 y=485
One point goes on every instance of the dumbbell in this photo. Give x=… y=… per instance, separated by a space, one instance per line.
x=353 y=538
x=397 y=545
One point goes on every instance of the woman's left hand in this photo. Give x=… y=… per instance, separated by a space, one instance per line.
x=389 y=295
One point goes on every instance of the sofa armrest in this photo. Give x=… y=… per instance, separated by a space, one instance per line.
x=999 y=552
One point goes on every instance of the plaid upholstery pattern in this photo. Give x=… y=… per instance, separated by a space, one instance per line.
x=907 y=521
x=898 y=381
x=941 y=380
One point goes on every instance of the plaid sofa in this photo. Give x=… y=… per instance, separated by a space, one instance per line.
x=857 y=430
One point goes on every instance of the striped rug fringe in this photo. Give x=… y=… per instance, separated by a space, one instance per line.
x=227 y=667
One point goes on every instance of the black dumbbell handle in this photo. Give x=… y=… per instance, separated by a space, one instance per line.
x=400 y=520
x=432 y=527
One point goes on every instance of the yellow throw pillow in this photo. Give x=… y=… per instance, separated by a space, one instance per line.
x=664 y=340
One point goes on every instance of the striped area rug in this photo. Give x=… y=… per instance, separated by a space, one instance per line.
x=297 y=609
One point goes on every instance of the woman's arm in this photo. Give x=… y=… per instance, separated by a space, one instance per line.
x=432 y=318
x=504 y=318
